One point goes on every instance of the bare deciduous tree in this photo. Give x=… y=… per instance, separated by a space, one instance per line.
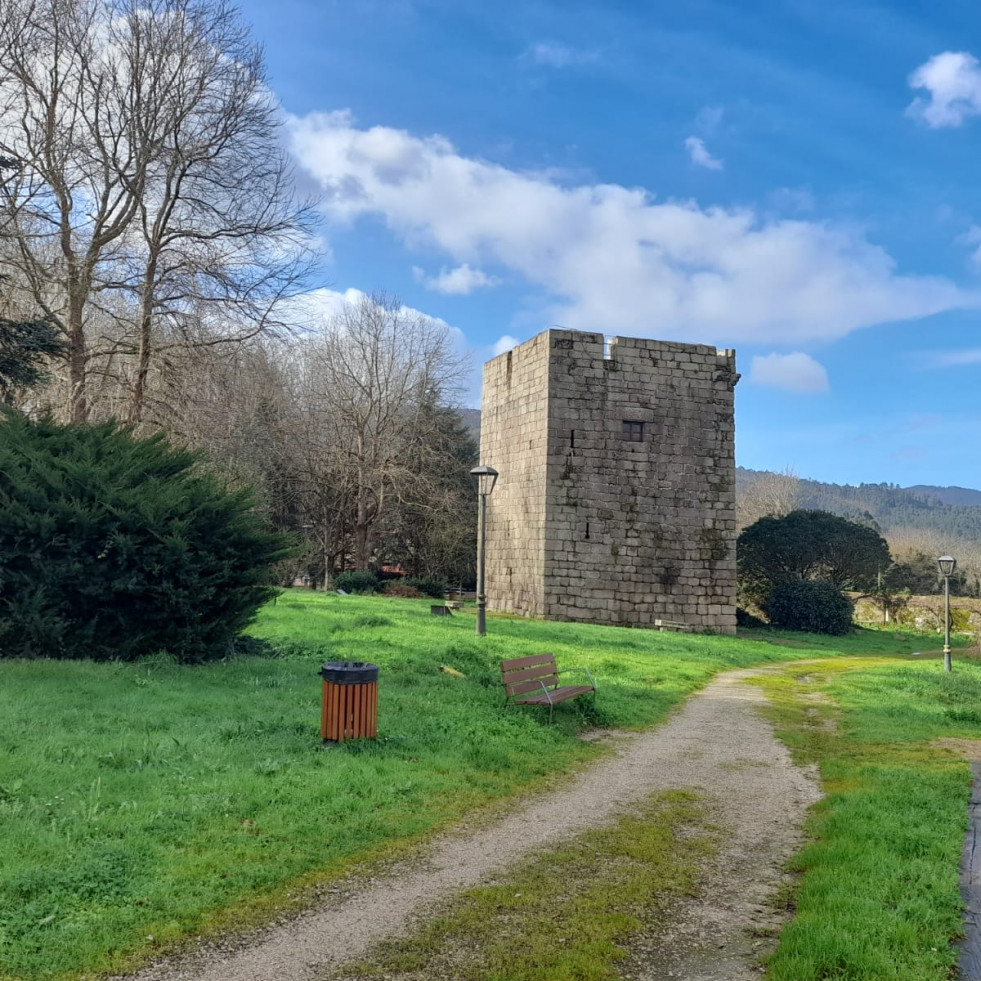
x=772 y=495
x=371 y=383
x=150 y=189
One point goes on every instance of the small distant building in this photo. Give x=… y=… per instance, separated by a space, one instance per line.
x=616 y=500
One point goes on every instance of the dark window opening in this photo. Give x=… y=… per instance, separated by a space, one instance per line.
x=587 y=530
x=633 y=432
x=572 y=439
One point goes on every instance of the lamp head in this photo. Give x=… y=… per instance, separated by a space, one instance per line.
x=486 y=477
x=947 y=565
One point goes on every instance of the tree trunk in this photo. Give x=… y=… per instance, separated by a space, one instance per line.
x=78 y=404
x=143 y=355
x=362 y=530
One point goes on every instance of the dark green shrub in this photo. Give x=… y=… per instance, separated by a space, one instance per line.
x=356 y=582
x=113 y=547
x=810 y=545
x=749 y=620
x=396 y=587
x=428 y=586
x=814 y=606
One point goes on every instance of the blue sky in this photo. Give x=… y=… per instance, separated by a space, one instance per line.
x=797 y=180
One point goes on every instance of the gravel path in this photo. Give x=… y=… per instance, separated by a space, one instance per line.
x=717 y=744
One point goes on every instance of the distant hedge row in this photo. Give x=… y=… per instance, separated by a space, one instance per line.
x=368 y=582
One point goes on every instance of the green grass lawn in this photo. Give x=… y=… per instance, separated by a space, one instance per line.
x=878 y=896
x=142 y=804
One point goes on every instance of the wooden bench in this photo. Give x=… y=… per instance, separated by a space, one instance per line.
x=681 y=628
x=534 y=680
x=440 y=610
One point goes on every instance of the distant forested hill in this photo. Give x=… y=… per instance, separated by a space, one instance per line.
x=953 y=512
x=471 y=419
x=947 y=495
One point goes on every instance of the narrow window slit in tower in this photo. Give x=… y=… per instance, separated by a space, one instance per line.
x=587 y=531
x=572 y=439
x=633 y=432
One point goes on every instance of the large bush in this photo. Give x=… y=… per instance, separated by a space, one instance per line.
x=428 y=586
x=810 y=545
x=357 y=582
x=815 y=606
x=112 y=546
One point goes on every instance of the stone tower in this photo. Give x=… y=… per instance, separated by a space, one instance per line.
x=616 y=500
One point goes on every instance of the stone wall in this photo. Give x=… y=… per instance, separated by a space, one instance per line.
x=514 y=440
x=616 y=501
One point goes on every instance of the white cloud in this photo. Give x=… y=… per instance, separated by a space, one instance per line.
x=555 y=54
x=611 y=258
x=973 y=237
x=795 y=372
x=504 y=344
x=460 y=281
x=313 y=309
x=952 y=359
x=953 y=81
x=795 y=200
x=708 y=118
x=699 y=154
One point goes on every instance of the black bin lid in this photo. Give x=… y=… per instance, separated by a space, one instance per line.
x=349 y=672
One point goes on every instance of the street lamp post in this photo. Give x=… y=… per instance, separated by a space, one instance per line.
x=486 y=477
x=947 y=565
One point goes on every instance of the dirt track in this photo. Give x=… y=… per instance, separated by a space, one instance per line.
x=718 y=744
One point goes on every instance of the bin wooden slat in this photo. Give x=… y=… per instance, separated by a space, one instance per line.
x=349 y=711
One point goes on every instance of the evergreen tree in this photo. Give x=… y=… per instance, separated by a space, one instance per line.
x=433 y=531
x=112 y=547
x=795 y=567
x=25 y=346
x=811 y=545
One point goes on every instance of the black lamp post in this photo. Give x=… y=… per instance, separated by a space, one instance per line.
x=947 y=565
x=486 y=477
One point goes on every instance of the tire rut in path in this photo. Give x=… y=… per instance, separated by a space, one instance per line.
x=717 y=745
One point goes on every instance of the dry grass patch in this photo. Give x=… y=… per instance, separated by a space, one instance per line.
x=567 y=915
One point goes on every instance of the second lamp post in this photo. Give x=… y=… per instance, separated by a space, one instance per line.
x=486 y=477
x=947 y=565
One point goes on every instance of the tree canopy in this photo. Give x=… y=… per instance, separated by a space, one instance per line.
x=812 y=545
x=147 y=202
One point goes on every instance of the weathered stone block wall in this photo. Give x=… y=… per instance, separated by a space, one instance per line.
x=624 y=531
x=640 y=529
x=514 y=440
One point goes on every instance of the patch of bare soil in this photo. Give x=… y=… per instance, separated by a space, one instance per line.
x=970 y=749
x=718 y=745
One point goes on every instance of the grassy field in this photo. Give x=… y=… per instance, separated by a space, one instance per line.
x=142 y=804
x=878 y=896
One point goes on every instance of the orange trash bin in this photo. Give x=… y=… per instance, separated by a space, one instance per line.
x=350 y=701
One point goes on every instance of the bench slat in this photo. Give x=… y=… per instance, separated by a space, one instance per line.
x=526 y=662
x=525 y=686
x=526 y=674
